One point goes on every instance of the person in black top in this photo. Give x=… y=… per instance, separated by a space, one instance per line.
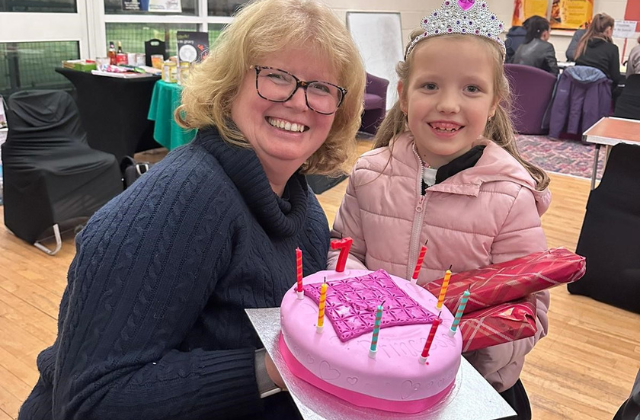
x=596 y=48
x=536 y=50
x=152 y=323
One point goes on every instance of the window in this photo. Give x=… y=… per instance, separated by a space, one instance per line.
x=114 y=7
x=39 y=6
x=223 y=7
x=30 y=65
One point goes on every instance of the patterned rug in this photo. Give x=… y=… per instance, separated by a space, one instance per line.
x=568 y=157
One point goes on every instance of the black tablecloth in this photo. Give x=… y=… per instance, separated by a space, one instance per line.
x=114 y=111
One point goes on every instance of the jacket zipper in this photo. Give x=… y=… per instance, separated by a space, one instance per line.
x=414 y=246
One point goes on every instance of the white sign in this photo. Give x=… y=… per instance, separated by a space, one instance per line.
x=163 y=5
x=624 y=29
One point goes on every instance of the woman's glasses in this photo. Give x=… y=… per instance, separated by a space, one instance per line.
x=277 y=85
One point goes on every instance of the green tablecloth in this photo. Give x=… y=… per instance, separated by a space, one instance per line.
x=165 y=99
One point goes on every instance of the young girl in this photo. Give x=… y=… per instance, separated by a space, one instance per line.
x=445 y=169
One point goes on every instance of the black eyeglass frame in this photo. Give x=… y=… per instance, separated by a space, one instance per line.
x=299 y=84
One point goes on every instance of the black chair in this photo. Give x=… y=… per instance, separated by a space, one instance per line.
x=628 y=104
x=51 y=175
x=610 y=231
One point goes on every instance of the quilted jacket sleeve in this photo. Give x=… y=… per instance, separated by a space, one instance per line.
x=348 y=224
x=521 y=234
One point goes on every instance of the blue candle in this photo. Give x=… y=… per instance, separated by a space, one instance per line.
x=463 y=304
x=376 y=331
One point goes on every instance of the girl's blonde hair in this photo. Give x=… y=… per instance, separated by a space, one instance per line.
x=600 y=23
x=266 y=27
x=499 y=128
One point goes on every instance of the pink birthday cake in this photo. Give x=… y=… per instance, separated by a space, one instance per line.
x=339 y=360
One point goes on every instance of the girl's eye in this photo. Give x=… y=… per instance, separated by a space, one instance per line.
x=473 y=89
x=430 y=86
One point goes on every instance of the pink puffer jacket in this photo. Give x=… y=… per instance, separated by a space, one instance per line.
x=485 y=214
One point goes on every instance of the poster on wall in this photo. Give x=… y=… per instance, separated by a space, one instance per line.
x=524 y=9
x=193 y=47
x=570 y=14
x=173 y=6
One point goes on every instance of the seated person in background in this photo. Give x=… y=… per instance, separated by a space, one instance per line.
x=573 y=45
x=515 y=37
x=633 y=64
x=596 y=48
x=537 y=51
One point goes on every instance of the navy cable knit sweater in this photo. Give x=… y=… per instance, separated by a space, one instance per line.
x=151 y=324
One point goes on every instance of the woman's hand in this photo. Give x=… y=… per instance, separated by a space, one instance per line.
x=273 y=371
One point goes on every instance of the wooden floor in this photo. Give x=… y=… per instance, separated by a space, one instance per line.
x=583 y=369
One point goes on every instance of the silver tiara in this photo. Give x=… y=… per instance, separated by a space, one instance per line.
x=469 y=17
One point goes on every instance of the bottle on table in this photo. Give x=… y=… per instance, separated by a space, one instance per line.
x=121 y=57
x=112 y=54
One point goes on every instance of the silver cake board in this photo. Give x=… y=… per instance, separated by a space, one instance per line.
x=471 y=397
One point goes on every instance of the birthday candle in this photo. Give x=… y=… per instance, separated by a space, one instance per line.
x=427 y=345
x=299 y=274
x=456 y=321
x=376 y=331
x=323 y=297
x=416 y=271
x=443 y=290
x=344 y=245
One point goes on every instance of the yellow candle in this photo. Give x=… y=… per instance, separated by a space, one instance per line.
x=323 y=297
x=443 y=290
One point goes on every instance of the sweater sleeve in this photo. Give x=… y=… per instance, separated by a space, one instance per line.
x=348 y=224
x=614 y=66
x=521 y=235
x=145 y=269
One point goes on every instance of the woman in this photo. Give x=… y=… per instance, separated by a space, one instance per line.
x=537 y=51
x=152 y=322
x=633 y=64
x=596 y=48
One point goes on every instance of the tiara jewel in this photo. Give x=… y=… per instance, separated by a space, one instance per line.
x=469 y=17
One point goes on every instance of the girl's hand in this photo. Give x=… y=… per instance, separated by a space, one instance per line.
x=273 y=371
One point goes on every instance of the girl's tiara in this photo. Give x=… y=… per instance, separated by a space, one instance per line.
x=470 y=17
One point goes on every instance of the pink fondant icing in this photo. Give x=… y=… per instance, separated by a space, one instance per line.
x=351 y=304
x=345 y=369
x=361 y=400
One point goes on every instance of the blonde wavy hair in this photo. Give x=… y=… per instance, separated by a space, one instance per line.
x=499 y=128
x=261 y=28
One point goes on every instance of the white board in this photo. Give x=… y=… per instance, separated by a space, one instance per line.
x=379 y=39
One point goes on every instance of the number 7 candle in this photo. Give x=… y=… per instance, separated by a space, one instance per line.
x=443 y=290
x=344 y=245
x=323 y=298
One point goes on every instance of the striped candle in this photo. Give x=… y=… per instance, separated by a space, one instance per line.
x=376 y=331
x=427 y=345
x=443 y=290
x=323 y=298
x=299 y=273
x=456 y=321
x=416 y=271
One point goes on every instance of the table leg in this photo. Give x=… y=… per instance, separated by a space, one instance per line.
x=595 y=166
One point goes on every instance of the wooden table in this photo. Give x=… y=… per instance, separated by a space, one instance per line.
x=610 y=131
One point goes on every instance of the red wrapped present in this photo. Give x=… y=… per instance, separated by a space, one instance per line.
x=511 y=280
x=499 y=324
